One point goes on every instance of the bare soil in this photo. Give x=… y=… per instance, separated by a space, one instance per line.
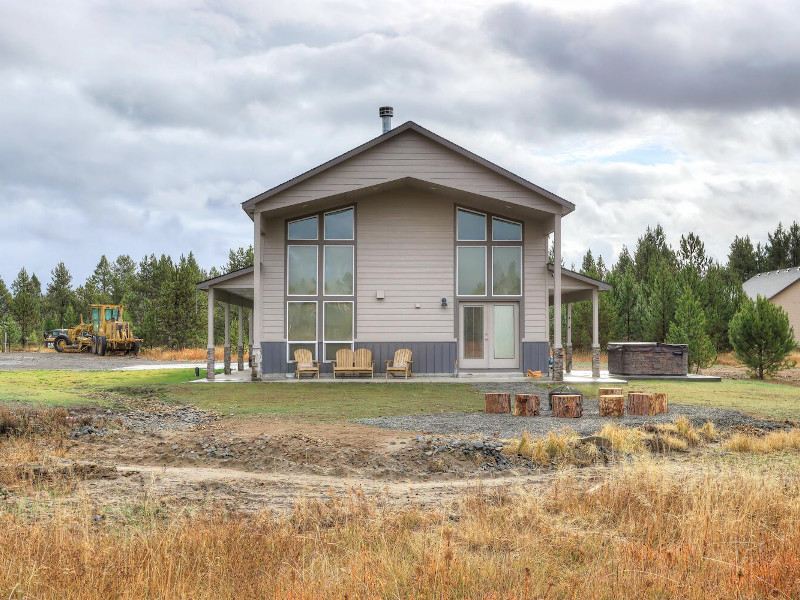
x=180 y=456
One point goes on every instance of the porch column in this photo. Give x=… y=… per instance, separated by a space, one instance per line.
x=250 y=339
x=240 y=339
x=210 y=360
x=595 y=336
x=227 y=348
x=569 y=338
x=558 y=352
x=255 y=371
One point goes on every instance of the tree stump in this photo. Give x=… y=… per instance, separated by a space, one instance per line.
x=660 y=401
x=567 y=406
x=609 y=392
x=498 y=403
x=526 y=405
x=611 y=405
x=641 y=403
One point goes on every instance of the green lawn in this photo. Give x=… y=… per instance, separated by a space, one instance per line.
x=773 y=400
x=331 y=401
x=64 y=388
x=341 y=401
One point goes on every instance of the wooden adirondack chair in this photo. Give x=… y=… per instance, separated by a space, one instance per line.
x=364 y=362
x=344 y=361
x=305 y=363
x=400 y=365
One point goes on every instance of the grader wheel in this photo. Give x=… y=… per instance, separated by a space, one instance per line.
x=60 y=343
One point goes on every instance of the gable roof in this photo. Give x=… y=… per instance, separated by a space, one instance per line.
x=204 y=285
x=601 y=285
x=771 y=283
x=248 y=205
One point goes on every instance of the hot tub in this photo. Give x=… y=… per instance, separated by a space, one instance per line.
x=647 y=358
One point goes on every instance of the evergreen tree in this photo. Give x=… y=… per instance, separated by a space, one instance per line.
x=777 y=249
x=5 y=300
x=239 y=259
x=689 y=328
x=652 y=250
x=60 y=298
x=101 y=282
x=26 y=304
x=662 y=299
x=123 y=274
x=692 y=254
x=742 y=258
x=794 y=245
x=762 y=337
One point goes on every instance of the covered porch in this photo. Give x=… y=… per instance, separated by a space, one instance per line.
x=574 y=287
x=233 y=289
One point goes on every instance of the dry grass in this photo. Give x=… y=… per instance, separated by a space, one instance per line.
x=188 y=354
x=635 y=534
x=772 y=442
x=728 y=359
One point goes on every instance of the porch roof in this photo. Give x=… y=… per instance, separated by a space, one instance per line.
x=574 y=286
x=235 y=287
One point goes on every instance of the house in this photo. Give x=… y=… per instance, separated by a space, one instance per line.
x=781 y=287
x=407 y=241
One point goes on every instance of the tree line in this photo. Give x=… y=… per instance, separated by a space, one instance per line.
x=159 y=294
x=659 y=293
x=666 y=294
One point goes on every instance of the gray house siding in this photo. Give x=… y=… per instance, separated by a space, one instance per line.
x=536 y=357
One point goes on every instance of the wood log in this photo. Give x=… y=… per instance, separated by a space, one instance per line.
x=641 y=403
x=498 y=403
x=611 y=406
x=526 y=405
x=568 y=406
x=606 y=391
x=660 y=401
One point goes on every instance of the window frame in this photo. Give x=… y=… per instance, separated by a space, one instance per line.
x=325 y=237
x=325 y=341
x=485 y=225
x=306 y=218
x=510 y=221
x=316 y=281
x=521 y=251
x=315 y=343
x=352 y=268
x=485 y=272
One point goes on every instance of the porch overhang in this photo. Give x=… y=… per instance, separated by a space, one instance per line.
x=234 y=288
x=574 y=286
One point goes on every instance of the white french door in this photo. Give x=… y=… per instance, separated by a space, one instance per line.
x=488 y=335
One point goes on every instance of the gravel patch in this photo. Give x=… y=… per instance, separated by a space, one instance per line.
x=24 y=361
x=507 y=426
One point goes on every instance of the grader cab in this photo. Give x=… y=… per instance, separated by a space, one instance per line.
x=105 y=333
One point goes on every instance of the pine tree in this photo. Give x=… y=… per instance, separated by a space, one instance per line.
x=742 y=258
x=762 y=337
x=5 y=300
x=777 y=249
x=692 y=254
x=26 y=304
x=662 y=299
x=689 y=328
x=239 y=259
x=60 y=297
x=123 y=274
x=101 y=282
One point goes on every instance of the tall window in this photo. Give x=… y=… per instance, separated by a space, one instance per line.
x=488 y=255
x=320 y=283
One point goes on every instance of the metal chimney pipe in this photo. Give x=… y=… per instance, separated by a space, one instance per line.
x=386 y=113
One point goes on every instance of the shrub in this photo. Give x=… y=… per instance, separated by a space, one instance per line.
x=762 y=337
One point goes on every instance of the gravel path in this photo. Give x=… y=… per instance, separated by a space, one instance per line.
x=507 y=426
x=24 y=361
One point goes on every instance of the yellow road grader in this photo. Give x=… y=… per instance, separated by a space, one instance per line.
x=106 y=333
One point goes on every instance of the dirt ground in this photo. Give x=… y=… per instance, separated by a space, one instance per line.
x=182 y=457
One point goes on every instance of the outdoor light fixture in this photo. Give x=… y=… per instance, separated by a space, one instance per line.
x=444 y=302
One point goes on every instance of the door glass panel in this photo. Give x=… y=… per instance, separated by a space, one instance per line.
x=338 y=271
x=302 y=270
x=473 y=332
x=471 y=226
x=471 y=271
x=507 y=270
x=503 y=331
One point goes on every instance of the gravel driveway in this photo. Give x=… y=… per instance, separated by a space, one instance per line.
x=507 y=426
x=25 y=361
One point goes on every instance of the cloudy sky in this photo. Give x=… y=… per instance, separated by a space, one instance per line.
x=139 y=127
